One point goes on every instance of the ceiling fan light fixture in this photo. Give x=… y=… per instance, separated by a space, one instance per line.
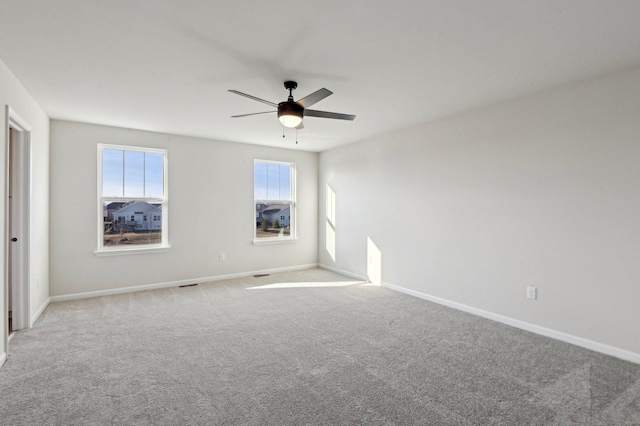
x=290 y=114
x=290 y=120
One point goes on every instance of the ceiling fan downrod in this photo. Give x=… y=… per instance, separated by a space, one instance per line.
x=290 y=85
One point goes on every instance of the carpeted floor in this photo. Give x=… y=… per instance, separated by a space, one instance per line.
x=300 y=348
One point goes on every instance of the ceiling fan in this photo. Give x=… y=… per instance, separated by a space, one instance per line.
x=290 y=112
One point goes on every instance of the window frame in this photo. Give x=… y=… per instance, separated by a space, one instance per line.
x=293 y=225
x=163 y=246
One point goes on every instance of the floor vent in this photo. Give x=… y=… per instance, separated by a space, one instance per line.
x=187 y=285
x=261 y=275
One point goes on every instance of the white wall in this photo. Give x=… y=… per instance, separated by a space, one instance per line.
x=543 y=191
x=12 y=93
x=211 y=211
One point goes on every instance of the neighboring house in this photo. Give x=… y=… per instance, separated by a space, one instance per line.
x=280 y=211
x=138 y=216
x=110 y=208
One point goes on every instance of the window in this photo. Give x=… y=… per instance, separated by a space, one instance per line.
x=132 y=184
x=274 y=201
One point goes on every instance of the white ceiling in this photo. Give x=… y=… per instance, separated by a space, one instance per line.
x=166 y=65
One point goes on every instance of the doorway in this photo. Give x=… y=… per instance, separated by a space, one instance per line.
x=17 y=214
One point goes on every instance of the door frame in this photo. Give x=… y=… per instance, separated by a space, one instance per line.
x=20 y=291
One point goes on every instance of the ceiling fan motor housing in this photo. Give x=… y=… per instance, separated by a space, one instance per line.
x=290 y=108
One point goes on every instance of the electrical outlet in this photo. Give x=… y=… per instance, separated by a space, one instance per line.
x=532 y=293
x=222 y=257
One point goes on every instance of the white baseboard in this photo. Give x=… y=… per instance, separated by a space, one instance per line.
x=132 y=289
x=558 y=335
x=345 y=273
x=35 y=317
x=3 y=358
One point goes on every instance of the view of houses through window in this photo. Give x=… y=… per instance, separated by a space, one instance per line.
x=274 y=195
x=133 y=196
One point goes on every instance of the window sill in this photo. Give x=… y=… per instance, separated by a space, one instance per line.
x=128 y=251
x=269 y=241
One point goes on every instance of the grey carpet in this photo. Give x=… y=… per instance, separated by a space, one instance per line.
x=225 y=353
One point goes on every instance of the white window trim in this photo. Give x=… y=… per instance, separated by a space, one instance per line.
x=147 y=248
x=275 y=240
x=293 y=223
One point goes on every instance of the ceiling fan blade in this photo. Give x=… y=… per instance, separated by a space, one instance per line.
x=254 y=98
x=254 y=113
x=313 y=98
x=324 y=114
x=300 y=126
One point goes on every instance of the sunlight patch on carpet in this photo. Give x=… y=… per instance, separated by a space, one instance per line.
x=307 y=285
